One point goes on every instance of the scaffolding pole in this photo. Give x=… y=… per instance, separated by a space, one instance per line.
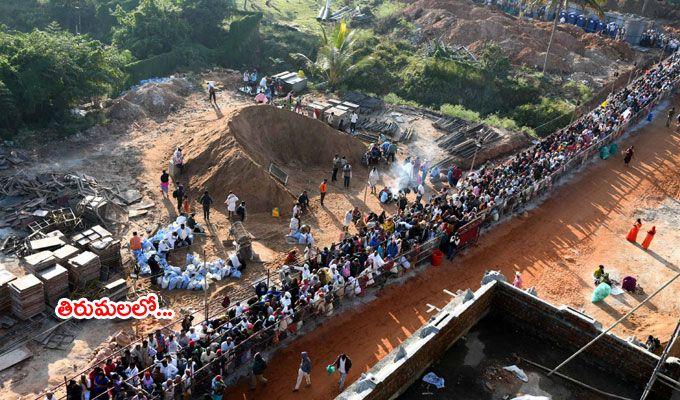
x=662 y=361
x=665 y=285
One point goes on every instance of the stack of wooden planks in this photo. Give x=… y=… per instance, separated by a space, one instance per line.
x=5 y=278
x=55 y=280
x=39 y=261
x=83 y=268
x=28 y=296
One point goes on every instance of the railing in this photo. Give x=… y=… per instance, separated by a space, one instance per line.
x=269 y=337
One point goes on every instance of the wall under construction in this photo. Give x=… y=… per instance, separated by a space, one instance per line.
x=564 y=326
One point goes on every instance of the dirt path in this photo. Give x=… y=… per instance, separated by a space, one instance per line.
x=556 y=246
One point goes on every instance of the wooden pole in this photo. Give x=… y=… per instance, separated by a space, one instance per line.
x=662 y=361
x=665 y=285
x=572 y=380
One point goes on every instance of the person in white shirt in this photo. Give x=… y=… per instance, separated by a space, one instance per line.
x=168 y=370
x=165 y=246
x=342 y=364
x=173 y=345
x=193 y=335
x=184 y=232
x=373 y=178
x=132 y=372
x=227 y=345
x=231 y=202
x=353 y=122
x=294 y=225
x=178 y=159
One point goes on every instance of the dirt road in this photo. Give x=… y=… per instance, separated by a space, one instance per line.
x=556 y=246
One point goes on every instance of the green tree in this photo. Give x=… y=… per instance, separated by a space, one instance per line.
x=494 y=63
x=47 y=72
x=153 y=27
x=206 y=19
x=335 y=57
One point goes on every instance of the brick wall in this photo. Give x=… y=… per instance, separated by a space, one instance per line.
x=572 y=330
x=453 y=322
x=568 y=328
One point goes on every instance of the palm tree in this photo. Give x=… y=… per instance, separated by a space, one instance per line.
x=558 y=5
x=335 y=56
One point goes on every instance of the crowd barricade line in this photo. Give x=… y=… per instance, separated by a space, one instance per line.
x=421 y=254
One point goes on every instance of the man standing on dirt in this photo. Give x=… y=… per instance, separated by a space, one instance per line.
x=353 y=122
x=241 y=211
x=669 y=119
x=179 y=195
x=231 y=202
x=212 y=94
x=347 y=174
x=323 y=188
x=336 y=167
x=165 y=183
x=178 y=160
x=342 y=364
x=206 y=202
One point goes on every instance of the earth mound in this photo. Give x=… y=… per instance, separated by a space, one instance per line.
x=458 y=22
x=155 y=99
x=236 y=155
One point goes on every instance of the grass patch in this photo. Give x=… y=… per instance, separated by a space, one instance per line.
x=392 y=98
x=458 y=111
x=388 y=9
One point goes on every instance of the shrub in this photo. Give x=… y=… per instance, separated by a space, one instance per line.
x=458 y=111
x=392 y=98
x=546 y=116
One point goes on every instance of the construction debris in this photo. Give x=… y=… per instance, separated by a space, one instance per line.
x=28 y=296
x=39 y=261
x=83 y=268
x=14 y=357
x=55 y=280
x=367 y=104
x=464 y=139
x=116 y=290
x=83 y=239
x=65 y=253
x=5 y=278
x=12 y=158
x=108 y=250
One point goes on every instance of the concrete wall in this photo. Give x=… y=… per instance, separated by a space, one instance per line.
x=571 y=329
x=399 y=369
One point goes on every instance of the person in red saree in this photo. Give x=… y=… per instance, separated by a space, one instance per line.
x=632 y=234
x=648 y=239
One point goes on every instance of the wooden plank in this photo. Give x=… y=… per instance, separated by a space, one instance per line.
x=14 y=357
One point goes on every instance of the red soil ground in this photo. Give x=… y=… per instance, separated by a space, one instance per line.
x=556 y=246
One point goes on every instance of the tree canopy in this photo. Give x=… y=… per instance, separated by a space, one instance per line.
x=43 y=73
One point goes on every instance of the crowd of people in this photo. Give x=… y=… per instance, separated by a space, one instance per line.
x=314 y=282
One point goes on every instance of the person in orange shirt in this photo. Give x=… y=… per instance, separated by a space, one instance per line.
x=648 y=239
x=632 y=234
x=323 y=188
x=186 y=206
x=135 y=243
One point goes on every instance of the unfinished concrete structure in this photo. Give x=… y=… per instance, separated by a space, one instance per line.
x=470 y=339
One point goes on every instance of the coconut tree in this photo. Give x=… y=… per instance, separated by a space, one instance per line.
x=558 y=5
x=336 y=53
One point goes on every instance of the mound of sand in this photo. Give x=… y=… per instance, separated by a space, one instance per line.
x=458 y=22
x=235 y=156
x=153 y=99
